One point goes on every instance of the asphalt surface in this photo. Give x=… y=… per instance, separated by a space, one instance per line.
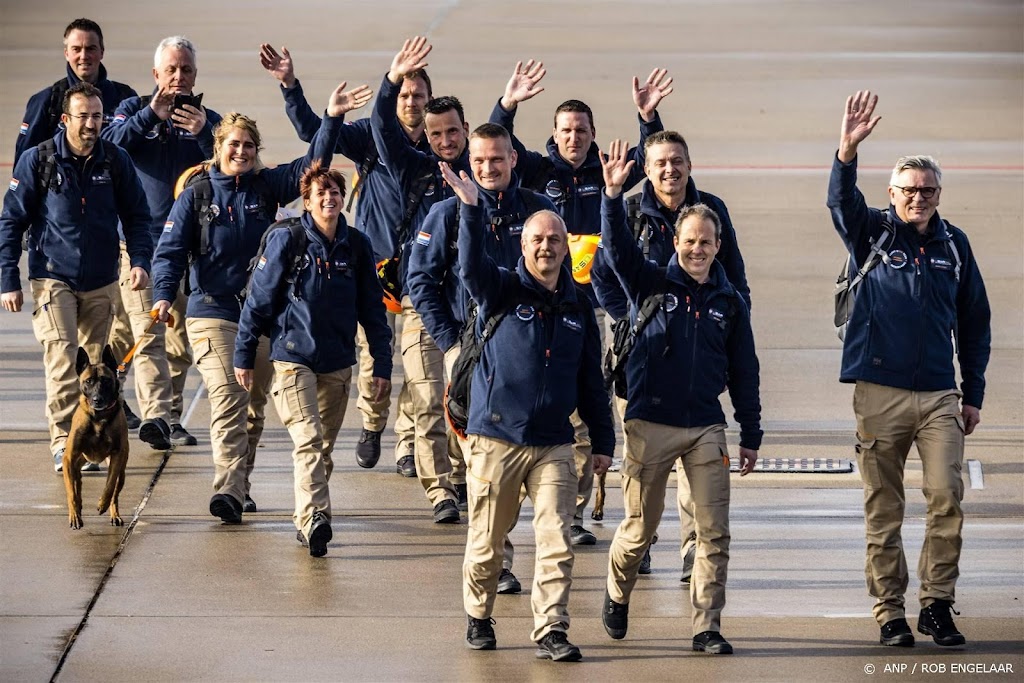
x=760 y=86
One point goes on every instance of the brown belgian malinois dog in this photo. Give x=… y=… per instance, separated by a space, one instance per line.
x=98 y=431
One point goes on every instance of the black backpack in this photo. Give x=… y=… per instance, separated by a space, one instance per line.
x=624 y=338
x=296 y=254
x=457 y=394
x=55 y=105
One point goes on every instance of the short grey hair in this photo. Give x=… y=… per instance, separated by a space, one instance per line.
x=173 y=42
x=920 y=161
x=704 y=212
x=545 y=213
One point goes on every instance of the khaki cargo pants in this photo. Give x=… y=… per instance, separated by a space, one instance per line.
x=375 y=413
x=652 y=450
x=424 y=376
x=236 y=416
x=152 y=373
x=63 y=320
x=889 y=420
x=497 y=471
x=312 y=407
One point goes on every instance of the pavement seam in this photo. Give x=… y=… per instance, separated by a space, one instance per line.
x=124 y=542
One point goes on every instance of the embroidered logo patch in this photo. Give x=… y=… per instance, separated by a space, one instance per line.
x=553 y=189
x=168 y=226
x=423 y=238
x=262 y=263
x=572 y=323
x=670 y=302
x=897 y=259
x=525 y=312
x=589 y=190
x=23 y=129
x=941 y=263
x=119 y=118
x=716 y=315
x=14 y=184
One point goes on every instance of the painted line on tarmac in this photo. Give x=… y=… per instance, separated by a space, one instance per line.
x=200 y=391
x=977 y=477
x=73 y=638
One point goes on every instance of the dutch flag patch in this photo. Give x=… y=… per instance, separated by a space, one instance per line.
x=23 y=130
x=262 y=263
x=423 y=238
x=120 y=118
x=168 y=226
x=14 y=184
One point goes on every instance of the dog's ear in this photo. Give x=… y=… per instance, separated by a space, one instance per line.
x=108 y=358
x=82 y=362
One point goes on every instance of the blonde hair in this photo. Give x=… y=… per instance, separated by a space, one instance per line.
x=243 y=122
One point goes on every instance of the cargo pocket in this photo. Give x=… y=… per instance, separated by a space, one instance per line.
x=867 y=461
x=44 y=322
x=632 y=493
x=479 y=502
x=286 y=397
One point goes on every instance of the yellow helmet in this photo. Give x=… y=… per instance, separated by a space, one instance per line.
x=582 y=249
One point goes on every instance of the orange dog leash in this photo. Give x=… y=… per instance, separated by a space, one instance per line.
x=122 y=369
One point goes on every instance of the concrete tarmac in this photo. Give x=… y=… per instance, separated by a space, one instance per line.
x=760 y=87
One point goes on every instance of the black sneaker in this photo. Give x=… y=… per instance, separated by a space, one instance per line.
x=181 y=437
x=711 y=642
x=249 y=505
x=688 y=556
x=320 y=534
x=133 y=420
x=368 y=448
x=227 y=508
x=645 y=563
x=156 y=433
x=508 y=583
x=406 y=466
x=896 y=633
x=615 y=617
x=935 y=621
x=463 y=494
x=446 y=512
x=580 y=536
x=556 y=647
x=480 y=634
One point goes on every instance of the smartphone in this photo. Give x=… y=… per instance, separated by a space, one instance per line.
x=194 y=100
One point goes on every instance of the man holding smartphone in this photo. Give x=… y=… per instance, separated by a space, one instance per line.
x=164 y=133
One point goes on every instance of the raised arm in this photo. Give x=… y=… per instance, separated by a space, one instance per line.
x=482 y=277
x=399 y=157
x=626 y=257
x=284 y=180
x=647 y=97
x=853 y=219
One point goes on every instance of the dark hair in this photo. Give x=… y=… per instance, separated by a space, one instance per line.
x=577 y=107
x=422 y=75
x=440 y=105
x=701 y=211
x=81 y=88
x=84 y=25
x=667 y=137
x=320 y=173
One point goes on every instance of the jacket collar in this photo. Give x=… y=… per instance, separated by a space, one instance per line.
x=63 y=151
x=937 y=229
x=592 y=161
x=314 y=234
x=73 y=78
x=650 y=205
x=564 y=293
x=508 y=196
x=717 y=280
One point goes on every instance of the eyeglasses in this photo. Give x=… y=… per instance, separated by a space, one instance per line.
x=909 y=192
x=96 y=118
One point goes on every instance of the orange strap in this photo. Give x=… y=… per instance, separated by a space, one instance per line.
x=123 y=367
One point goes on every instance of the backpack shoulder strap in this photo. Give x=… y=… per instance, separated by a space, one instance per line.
x=954 y=252
x=268 y=200
x=878 y=253
x=144 y=101
x=110 y=152
x=202 y=205
x=413 y=199
x=637 y=223
x=55 y=107
x=46 y=164
x=369 y=163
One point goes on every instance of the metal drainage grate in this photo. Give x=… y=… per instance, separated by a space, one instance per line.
x=802 y=465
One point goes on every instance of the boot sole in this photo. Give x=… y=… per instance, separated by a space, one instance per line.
x=950 y=641
x=902 y=640
x=486 y=645
x=570 y=656
x=226 y=512
x=319 y=539
x=713 y=649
